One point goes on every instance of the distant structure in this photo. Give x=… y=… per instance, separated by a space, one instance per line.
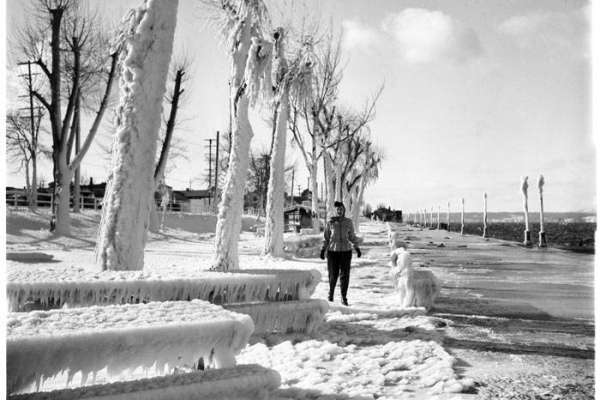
x=527 y=233
x=542 y=235
x=448 y=218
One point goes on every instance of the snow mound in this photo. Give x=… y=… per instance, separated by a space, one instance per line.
x=55 y=287
x=390 y=369
x=284 y=317
x=43 y=344
x=242 y=382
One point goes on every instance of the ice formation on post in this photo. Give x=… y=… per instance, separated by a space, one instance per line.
x=56 y=288
x=542 y=235
x=416 y=288
x=126 y=209
x=527 y=233
x=242 y=26
x=243 y=382
x=462 y=216
x=162 y=336
x=484 y=214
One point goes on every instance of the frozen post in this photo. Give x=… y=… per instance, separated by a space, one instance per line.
x=527 y=233
x=484 y=214
x=129 y=192
x=462 y=217
x=438 y=218
x=542 y=239
x=448 y=218
x=431 y=217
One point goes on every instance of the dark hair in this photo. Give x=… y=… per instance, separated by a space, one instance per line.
x=338 y=204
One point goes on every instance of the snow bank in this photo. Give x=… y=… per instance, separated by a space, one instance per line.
x=242 y=382
x=285 y=317
x=391 y=369
x=54 y=287
x=164 y=335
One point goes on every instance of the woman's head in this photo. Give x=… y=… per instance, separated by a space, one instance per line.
x=339 y=208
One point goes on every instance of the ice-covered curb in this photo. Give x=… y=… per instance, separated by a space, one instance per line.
x=77 y=287
x=285 y=317
x=43 y=344
x=251 y=382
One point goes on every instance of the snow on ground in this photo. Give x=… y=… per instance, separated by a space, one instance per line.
x=371 y=349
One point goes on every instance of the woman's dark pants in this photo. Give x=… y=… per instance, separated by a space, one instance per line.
x=338 y=264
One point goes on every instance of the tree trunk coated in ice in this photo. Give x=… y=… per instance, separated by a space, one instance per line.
x=356 y=208
x=274 y=213
x=338 y=182
x=315 y=197
x=229 y=220
x=329 y=184
x=127 y=202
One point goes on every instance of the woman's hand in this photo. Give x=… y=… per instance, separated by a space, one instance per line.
x=358 y=252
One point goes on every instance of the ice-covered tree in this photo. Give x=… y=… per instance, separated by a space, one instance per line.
x=368 y=175
x=290 y=80
x=243 y=22
x=145 y=64
x=311 y=121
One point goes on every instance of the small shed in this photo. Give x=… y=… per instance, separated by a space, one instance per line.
x=297 y=217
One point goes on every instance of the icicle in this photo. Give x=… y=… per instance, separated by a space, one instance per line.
x=257 y=67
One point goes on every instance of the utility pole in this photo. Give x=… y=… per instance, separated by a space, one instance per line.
x=210 y=141
x=216 y=169
x=292 y=187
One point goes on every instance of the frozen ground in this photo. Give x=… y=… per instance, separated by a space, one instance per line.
x=510 y=322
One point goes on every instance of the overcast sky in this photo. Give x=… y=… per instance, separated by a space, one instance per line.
x=477 y=94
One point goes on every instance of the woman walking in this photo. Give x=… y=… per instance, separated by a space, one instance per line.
x=339 y=240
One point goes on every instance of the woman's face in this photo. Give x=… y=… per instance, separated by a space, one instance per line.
x=340 y=211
